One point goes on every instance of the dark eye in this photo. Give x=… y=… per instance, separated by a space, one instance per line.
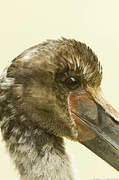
x=72 y=83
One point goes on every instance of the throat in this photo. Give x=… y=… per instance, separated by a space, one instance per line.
x=37 y=154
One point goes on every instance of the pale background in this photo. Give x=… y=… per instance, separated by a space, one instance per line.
x=96 y=22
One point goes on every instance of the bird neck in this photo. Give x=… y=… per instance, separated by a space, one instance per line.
x=37 y=154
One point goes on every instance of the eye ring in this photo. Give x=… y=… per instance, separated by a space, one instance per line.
x=72 y=83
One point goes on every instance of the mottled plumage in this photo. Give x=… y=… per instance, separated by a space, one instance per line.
x=34 y=110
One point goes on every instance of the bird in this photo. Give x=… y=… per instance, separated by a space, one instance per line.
x=47 y=93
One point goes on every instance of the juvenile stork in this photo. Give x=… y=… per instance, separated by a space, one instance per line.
x=51 y=91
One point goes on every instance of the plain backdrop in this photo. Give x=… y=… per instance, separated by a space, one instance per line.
x=25 y=23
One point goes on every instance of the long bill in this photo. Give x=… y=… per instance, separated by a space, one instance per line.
x=98 y=124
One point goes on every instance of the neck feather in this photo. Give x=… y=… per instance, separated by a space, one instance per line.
x=37 y=154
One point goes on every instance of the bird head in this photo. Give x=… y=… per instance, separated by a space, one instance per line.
x=56 y=85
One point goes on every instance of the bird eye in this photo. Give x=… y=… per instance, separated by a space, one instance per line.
x=72 y=83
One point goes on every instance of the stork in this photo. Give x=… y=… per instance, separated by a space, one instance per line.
x=51 y=91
